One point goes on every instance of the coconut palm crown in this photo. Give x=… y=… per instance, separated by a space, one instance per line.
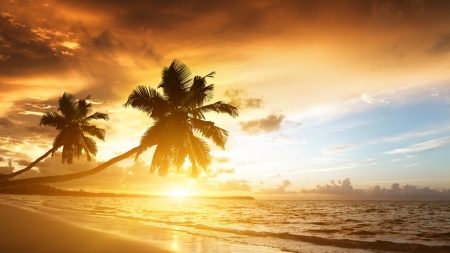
x=179 y=119
x=75 y=131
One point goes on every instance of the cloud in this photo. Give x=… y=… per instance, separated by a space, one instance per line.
x=269 y=124
x=341 y=187
x=376 y=192
x=237 y=98
x=442 y=45
x=416 y=134
x=2 y=159
x=222 y=159
x=422 y=147
x=234 y=185
x=214 y=173
x=339 y=149
x=23 y=162
x=371 y=100
x=280 y=189
x=407 y=192
x=385 y=13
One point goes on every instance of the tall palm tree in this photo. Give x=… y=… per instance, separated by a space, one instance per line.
x=179 y=115
x=75 y=131
x=179 y=119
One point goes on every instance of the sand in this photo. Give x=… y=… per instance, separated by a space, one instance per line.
x=23 y=230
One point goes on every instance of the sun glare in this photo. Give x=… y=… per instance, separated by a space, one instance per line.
x=180 y=193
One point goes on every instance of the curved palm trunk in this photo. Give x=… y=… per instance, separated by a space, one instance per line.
x=6 y=177
x=68 y=177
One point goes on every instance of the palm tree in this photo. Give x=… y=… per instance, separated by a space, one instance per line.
x=179 y=119
x=75 y=131
x=179 y=115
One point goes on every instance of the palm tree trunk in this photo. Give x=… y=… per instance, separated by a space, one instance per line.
x=6 y=177
x=68 y=177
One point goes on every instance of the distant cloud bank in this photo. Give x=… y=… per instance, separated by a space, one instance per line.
x=344 y=189
x=376 y=192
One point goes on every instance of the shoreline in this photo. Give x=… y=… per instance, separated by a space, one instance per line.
x=25 y=230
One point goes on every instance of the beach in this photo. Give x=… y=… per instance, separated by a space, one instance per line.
x=34 y=223
x=25 y=230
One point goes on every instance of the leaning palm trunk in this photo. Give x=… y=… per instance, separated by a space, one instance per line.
x=68 y=177
x=6 y=177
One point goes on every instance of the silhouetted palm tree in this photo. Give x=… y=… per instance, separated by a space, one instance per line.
x=75 y=131
x=179 y=114
x=179 y=119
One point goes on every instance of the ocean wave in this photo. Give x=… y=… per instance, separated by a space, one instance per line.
x=341 y=243
x=445 y=235
x=324 y=231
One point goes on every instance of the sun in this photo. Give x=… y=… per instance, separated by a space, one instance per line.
x=180 y=193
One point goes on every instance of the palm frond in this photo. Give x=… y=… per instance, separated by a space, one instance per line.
x=97 y=116
x=208 y=130
x=219 y=107
x=199 y=93
x=67 y=105
x=59 y=140
x=53 y=119
x=151 y=136
x=149 y=101
x=191 y=154
x=99 y=133
x=83 y=108
x=89 y=147
x=201 y=152
x=161 y=159
x=175 y=80
x=180 y=154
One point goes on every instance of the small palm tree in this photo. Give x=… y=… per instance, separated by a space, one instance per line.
x=179 y=119
x=75 y=131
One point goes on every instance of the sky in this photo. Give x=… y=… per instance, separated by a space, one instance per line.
x=337 y=99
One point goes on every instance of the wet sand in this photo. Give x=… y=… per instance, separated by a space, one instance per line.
x=24 y=230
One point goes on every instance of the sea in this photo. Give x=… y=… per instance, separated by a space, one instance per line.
x=258 y=225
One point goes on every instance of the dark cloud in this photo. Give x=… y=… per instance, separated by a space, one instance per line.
x=24 y=51
x=386 y=12
x=441 y=45
x=280 y=189
x=6 y=123
x=57 y=47
x=237 y=98
x=23 y=162
x=2 y=159
x=269 y=124
x=234 y=185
